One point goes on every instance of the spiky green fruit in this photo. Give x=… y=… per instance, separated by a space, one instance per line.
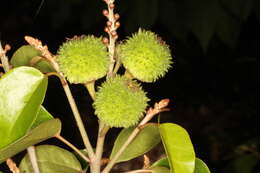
x=83 y=59
x=145 y=56
x=120 y=102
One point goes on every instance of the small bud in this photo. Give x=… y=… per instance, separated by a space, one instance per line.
x=111 y=6
x=117 y=24
x=163 y=103
x=116 y=16
x=7 y=47
x=105 y=40
x=113 y=33
x=109 y=23
x=105 y=13
x=116 y=37
x=107 y=29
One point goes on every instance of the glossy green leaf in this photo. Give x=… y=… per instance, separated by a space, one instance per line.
x=146 y=139
x=163 y=162
x=42 y=132
x=178 y=147
x=52 y=159
x=22 y=91
x=24 y=56
x=160 y=169
x=201 y=167
x=239 y=8
x=42 y=116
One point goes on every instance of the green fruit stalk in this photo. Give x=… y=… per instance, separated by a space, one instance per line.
x=82 y=60
x=120 y=102
x=145 y=56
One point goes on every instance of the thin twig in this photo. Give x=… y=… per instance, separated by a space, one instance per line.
x=55 y=74
x=72 y=147
x=103 y=129
x=78 y=120
x=117 y=66
x=33 y=159
x=90 y=86
x=37 y=44
x=158 y=107
x=97 y=162
x=12 y=166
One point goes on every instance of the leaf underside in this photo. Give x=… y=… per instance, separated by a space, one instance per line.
x=147 y=138
x=52 y=159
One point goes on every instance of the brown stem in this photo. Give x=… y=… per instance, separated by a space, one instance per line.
x=97 y=162
x=33 y=159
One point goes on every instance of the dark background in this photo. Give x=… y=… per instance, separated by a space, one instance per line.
x=213 y=84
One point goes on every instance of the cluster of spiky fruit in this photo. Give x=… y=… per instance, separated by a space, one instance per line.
x=120 y=102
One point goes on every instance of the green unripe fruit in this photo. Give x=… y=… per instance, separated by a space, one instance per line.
x=145 y=56
x=120 y=102
x=83 y=59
